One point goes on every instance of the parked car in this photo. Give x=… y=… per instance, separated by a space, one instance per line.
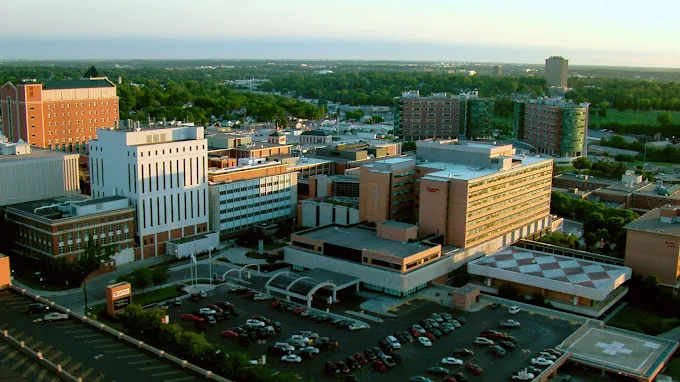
x=311 y=349
x=296 y=343
x=379 y=366
x=55 y=316
x=523 y=376
x=252 y=322
x=260 y=297
x=547 y=355
x=407 y=336
x=393 y=342
x=452 y=361
x=299 y=310
x=189 y=317
x=437 y=317
x=483 y=341
x=419 y=329
x=437 y=333
x=343 y=367
x=464 y=352
x=284 y=346
x=474 y=368
x=370 y=354
x=553 y=352
x=353 y=363
x=429 y=336
x=177 y=301
x=201 y=324
x=215 y=308
x=206 y=312
x=446 y=316
x=211 y=320
x=491 y=334
x=425 y=341
x=460 y=377
x=36 y=307
x=304 y=353
x=419 y=378
x=510 y=324
x=438 y=370
x=277 y=326
x=388 y=361
x=378 y=351
x=461 y=319
x=308 y=334
x=456 y=323
x=541 y=362
x=514 y=310
x=360 y=357
x=291 y=358
x=497 y=350
x=396 y=357
x=228 y=334
x=533 y=370
x=331 y=369
x=356 y=326
x=300 y=338
x=508 y=345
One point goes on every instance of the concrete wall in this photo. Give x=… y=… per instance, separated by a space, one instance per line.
x=201 y=244
x=386 y=231
x=325 y=214
x=653 y=254
x=125 y=256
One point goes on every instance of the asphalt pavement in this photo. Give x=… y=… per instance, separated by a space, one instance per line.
x=82 y=350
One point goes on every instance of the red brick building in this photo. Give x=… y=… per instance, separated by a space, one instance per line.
x=58 y=115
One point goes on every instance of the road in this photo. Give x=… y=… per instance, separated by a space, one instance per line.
x=75 y=345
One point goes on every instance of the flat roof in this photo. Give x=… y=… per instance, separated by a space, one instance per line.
x=395 y=160
x=466 y=172
x=363 y=239
x=396 y=224
x=77 y=84
x=101 y=200
x=188 y=239
x=302 y=283
x=618 y=350
x=307 y=161
x=52 y=213
x=36 y=154
x=563 y=274
x=591 y=179
x=650 y=222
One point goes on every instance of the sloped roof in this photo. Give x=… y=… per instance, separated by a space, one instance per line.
x=77 y=84
x=275 y=134
x=91 y=72
x=319 y=133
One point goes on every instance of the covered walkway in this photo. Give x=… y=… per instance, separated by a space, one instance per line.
x=304 y=285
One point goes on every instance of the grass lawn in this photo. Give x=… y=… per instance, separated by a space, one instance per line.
x=641 y=321
x=631 y=117
x=673 y=368
x=156 y=295
x=255 y=255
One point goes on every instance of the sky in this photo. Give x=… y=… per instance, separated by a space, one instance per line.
x=593 y=32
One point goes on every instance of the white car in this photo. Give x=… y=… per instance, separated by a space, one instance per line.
x=456 y=323
x=55 y=316
x=206 y=311
x=393 y=342
x=291 y=358
x=251 y=322
x=308 y=334
x=547 y=356
x=299 y=338
x=425 y=341
x=419 y=328
x=437 y=317
x=260 y=297
x=310 y=349
x=354 y=327
x=296 y=343
x=541 y=362
x=523 y=377
x=284 y=346
x=510 y=324
x=483 y=341
x=452 y=361
x=514 y=310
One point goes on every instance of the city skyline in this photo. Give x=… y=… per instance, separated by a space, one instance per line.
x=488 y=31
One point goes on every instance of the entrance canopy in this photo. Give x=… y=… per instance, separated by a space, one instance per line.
x=303 y=285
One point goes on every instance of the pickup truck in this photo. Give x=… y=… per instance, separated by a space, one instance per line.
x=510 y=324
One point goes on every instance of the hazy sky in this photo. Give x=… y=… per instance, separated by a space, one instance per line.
x=607 y=32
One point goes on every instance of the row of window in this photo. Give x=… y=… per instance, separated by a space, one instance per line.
x=283 y=208
x=81 y=122
x=81 y=104
x=193 y=203
x=285 y=198
x=77 y=113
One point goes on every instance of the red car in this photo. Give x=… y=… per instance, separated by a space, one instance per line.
x=414 y=332
x=276 y=303
x=474 y=368
x=299 y=310
x=379 y=366
x=449 y=379
x=430 y=336
x=189 y=317
x=342 y=367
x=360 y=357
x=492 y=334
x=228 y=334
x=215 y=308
x=260 y=318
x=251 y=293
x=463 y=353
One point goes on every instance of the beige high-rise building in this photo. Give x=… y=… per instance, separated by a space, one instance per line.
x=556 y=71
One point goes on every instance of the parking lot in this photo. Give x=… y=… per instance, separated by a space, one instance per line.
x=82 y=350
x=537 y=332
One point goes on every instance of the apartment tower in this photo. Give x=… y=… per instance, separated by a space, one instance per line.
x=556 y=71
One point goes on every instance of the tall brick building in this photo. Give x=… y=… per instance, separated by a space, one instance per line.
x=58 y=115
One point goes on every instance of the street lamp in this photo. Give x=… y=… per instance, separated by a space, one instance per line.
x=210 y=263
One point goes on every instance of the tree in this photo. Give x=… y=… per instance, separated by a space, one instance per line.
x=408 y=146
x=664 y=118
x=582 y=163
x=508 y=291
x=537 y=299
x=160 y=275
x=142 y=278
x=377 y=119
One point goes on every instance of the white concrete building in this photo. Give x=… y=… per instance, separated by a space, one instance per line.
x=243 y=197
x=164 y=174
x=317 y=213
x=32 y=174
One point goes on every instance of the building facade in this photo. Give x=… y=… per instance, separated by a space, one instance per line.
x=441 y=115
x=554 y=126
x=64 y=227
x=315 y=136
x=251 y=194
x=164 y=174
x=34 y=173
x=387 y=190
x=653 y=245
x=557 y=71
x=59 y=115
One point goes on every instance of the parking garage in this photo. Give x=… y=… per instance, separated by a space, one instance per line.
x=302 y=286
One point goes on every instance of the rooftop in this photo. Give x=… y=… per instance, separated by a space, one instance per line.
x=577 y=277
x=59 y=208
x=319 y=133
x=36 y=154
x=188 y=239
x=465 y=172
x=78 y=84
x=650 y=222
x=396 y=224
x=363 y=239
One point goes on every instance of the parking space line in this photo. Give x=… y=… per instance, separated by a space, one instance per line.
x=9 y=356
x=75 y=367
x=88 y=336
x=166 y=373
x=29 y=370
x=10 y=330
x=18 y=336
x=3 y=347
x=57 y=379
x=19 y=363
x=35 y=345
x=54 y=356
x=65 y=361
x=41 y=375
x=154 y=367
x=118 y=351
x=46 y=350
x=130 y=356
x=77 y=331
x=143 y=361
x=108 y=346
x=180 y=379
x=27 y=340
x=99 y=378
x=4 y=325
x=97 y=341
x=86 y=373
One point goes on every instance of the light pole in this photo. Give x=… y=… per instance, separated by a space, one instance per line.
x=210 y=264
